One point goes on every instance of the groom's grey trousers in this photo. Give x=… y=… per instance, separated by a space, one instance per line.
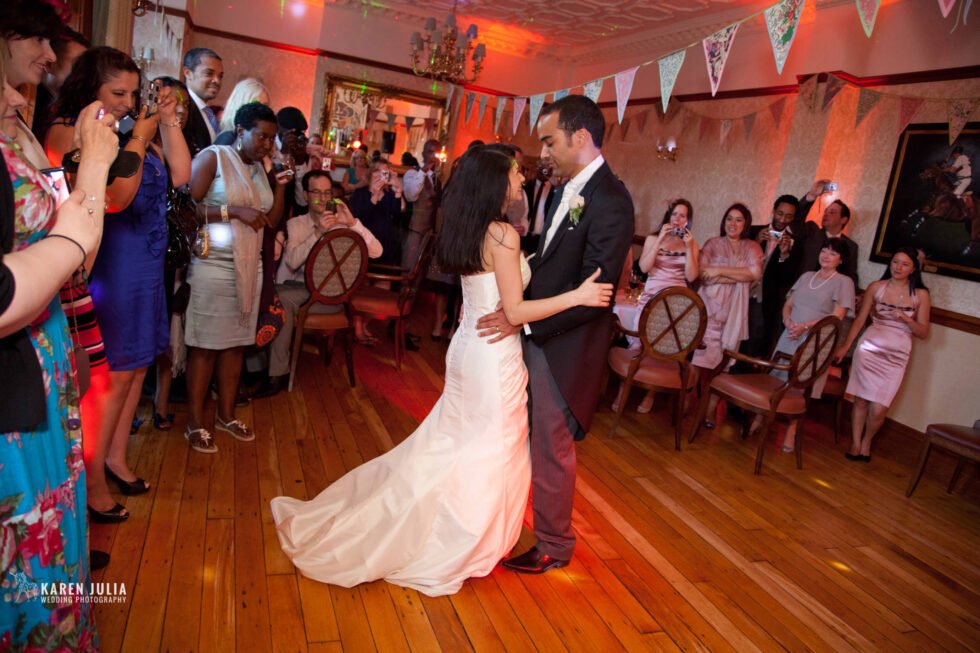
x=552 y=457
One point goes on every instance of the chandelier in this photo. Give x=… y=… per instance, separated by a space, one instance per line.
x=442 y=55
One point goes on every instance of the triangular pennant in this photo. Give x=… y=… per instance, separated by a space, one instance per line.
x=641 y=120
x=560 y=94
x=449 y=95
x=866 y=102
x=716 y=49
x=669 y=67
x=469 y=105
x=776 y=109
x=391 y=121
x=409 y=121
x=624 y=86
x=834 y=86
x=748 y=122
x=906 y=111
x=537 y=101
x=481 y=109
x=593 y=89
x=781 y=21
x=946 y=6
x=808 y=92
x=959 y=113
x=706 y=124
x=519 y=103
x=501 y=103
x=868 y=13
x=726 y=128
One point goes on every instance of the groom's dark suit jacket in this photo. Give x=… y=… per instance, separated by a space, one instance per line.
x=576 y=341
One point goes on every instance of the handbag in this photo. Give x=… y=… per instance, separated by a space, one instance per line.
x=180 y=223
x=272 y=317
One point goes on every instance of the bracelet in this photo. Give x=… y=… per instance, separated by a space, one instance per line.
x=141 y=139
x=167 y=124
x=224 y=213
x=93 y=199
x=71 y=240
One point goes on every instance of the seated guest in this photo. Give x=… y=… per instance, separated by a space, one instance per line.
x=729 y=263
x=836 y=217
x=245 y=91
x=670 y=259
x=378 y=206
x=303 y=233
x=899 y=307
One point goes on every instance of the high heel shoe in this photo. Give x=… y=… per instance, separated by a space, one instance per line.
x=129 y=488
x=113 y=515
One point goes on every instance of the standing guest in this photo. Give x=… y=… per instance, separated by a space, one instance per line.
x=670 y=259
x=291 y=153
x=729 y=263
x=245 y=91
x=235 y=204
x=127 y=280
x=540 y=193
x=303 y=233
x=358 y=174
x=836 y=217
x=899 y=307
x=203 y=74
x=378 y=206
x=67 y=48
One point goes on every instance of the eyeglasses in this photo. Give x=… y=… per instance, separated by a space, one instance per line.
x=320 y=193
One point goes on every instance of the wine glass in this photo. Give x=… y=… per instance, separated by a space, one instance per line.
x=634 y=282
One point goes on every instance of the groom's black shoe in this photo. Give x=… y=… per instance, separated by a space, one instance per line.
x=534 y=562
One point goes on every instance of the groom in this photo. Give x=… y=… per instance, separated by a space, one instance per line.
x=590 y=227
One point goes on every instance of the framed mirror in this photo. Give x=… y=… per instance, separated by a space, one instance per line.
x=388 y=119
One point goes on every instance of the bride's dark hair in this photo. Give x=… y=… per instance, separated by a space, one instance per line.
x=474 y=198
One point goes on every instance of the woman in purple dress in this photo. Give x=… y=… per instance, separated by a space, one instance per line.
x=899 y=307
x=669 y=259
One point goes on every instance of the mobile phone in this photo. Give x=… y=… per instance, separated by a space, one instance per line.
x=59 y=183
x=126 y=124
x=386 y=175
x=149 y=96
x=831 y=187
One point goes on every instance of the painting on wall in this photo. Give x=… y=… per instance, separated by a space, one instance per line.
x=933 y=201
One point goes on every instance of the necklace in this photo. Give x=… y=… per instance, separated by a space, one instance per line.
x=824 y=283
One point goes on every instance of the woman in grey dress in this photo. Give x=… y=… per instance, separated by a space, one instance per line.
x=814 y=296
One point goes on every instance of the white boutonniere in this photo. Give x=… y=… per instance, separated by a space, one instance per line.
x=575 y=208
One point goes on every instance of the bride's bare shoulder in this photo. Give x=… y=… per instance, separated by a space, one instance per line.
x=502 y=234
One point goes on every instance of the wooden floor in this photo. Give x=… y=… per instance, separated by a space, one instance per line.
x=684 y=550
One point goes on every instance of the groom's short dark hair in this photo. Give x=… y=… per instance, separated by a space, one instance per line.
x=577 y=112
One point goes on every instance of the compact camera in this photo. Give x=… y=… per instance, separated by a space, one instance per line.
x=678 y=232
x=831 y=187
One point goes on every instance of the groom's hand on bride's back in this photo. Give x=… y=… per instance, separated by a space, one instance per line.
x=495 y=326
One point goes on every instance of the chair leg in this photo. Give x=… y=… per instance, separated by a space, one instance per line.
x=956 y=475
x=699 y=418
x=349 y=353
x=919 y=469
x=297 y=345
x=763 y=438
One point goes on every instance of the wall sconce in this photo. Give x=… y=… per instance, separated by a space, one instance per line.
x=667 y=151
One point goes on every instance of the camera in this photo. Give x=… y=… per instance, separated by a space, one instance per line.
x=831 y=187
x=386 y=175
x=678 y=232
x=777 y=234
x=281 y=167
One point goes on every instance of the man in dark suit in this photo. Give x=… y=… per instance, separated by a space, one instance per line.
x=203 y=75
x=591 y=226
x=836 y=216
x=540 y=193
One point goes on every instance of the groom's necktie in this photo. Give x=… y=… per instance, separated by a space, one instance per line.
x=212 y=119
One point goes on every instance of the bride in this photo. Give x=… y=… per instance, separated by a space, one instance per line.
x=447 y=503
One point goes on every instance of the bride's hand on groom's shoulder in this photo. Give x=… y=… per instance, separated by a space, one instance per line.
x=591 y=293
x=495 y=326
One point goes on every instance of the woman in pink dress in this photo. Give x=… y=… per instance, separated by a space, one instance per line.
x=899 y=307
x=730 y=262
x=669 y=258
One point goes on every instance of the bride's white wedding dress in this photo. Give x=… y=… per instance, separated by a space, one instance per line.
x=445 y=504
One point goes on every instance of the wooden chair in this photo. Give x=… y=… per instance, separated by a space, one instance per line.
x=771 y=396
x=335 y=268
x=670 y=328
x=385 y=304
x=962 y=441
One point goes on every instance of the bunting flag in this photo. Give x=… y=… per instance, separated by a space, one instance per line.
x=593 y=89
x=946 y=6
x=519 y=103
x=469 y=106
x=669 y=67
x=501 y=103
x=716 y=49
x=449 y=95
x=748 y=122
x=560 y=94
x=391 y=121
x=808 y=92
x=776 y=109
x=624 y=86
x=781 y=21
x=537 y=101
x=907 y=110
x=726 y=128
x=409 y=121
x=866 y=102
x=834 y=86
x=481 y=110
x=868 y=12
x=959 y=113
x=641 y=120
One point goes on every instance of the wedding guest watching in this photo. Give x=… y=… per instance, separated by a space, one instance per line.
x=245 y=91
x=378 y=206
x=291 y=153
x=540 y=193
x=203 y=74
x=729 y=263
x=303 y=233
x=67 y=48
x=836 y=217
x=358 y=174
x=899 y=307
x=669 y=259
x=235 y=204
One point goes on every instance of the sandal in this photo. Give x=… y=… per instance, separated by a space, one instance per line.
x=200 y=440
x=129 y=488
x=646 y=405
x=162 y=423
x=113 y=515
x=235 y=428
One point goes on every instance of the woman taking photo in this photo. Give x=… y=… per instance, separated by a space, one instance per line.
x=899 y=307
x=235 y=203
x=358 y=175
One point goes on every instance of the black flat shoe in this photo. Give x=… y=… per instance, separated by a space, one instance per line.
x=533 y=562
x=129 y=488
x=856 y=457
x=162 y=423
x=113 y=515
x=97 y=560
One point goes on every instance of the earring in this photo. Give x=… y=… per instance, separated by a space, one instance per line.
x=239 y=145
